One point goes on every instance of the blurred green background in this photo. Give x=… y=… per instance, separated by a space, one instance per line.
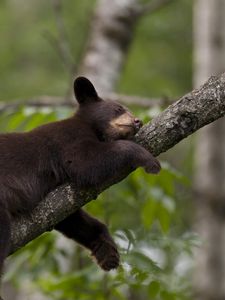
x=148 y=215
x=159 y=61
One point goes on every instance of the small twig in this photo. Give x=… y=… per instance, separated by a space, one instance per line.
x=62 y=41
x=152 y=6
x=53 y=41
x=45 y=101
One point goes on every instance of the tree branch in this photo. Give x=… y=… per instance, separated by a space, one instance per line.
x=179 y=120
x=193 y=111
x=54 y=102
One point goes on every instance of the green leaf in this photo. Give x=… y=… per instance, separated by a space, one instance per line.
x=153 y=289
x=166 y=295
x=164 y=219
x=149 y=212
x=15 y=121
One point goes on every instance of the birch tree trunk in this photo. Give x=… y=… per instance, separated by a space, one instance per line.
x=209 y=54
x=112 y=32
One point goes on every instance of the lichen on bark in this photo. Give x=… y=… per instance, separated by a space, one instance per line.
x=193 y=111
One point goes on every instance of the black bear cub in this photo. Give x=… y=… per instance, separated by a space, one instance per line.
x=88 y=150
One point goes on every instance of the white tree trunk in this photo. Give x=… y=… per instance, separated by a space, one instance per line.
x=110 y=37
x=209 y=59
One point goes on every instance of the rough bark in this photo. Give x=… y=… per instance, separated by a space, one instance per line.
x=209 y=45
x=179 y=120
x=64 y=200
x=193 y=111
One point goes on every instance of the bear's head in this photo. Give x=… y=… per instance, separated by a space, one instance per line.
x=109 y=119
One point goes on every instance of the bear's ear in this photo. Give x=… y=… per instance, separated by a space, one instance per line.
x=84 y=91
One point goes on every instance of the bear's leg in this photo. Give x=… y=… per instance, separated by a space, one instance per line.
x=92 y=234
x=4 y=236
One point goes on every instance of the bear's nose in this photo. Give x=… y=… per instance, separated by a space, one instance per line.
x=138 y=123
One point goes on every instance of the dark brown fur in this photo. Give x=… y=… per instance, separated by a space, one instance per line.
x=86 y=150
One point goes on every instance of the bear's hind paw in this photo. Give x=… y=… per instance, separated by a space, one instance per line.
x=106 y=254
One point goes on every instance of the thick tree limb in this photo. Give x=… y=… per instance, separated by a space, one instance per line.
x=187 y=115
x=179 y=120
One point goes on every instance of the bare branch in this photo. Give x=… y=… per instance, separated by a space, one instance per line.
x=191 y=112
x=54 y=102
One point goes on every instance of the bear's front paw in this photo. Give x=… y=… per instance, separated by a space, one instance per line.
x=152 y=166
x=106 y=253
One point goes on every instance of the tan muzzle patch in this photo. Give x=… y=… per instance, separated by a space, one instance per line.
x=123 y=121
